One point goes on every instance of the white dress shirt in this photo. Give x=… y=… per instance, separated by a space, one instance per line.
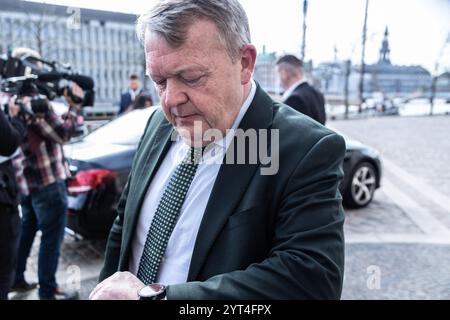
x=291 y=89
x=134 y=93
x=175 y=265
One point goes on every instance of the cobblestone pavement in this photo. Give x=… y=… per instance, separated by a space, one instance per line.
x=78 y=269
x=381 y=216
x=397 y=271
x=397 y=248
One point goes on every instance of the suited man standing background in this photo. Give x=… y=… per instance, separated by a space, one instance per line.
x=134 y=89
x=298 y=93
x=194 y=223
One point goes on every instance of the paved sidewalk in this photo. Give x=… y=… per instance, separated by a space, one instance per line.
x=397 y=271
x=79 y=266
x=401 y=242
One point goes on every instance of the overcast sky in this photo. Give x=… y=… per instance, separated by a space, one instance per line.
x=418 y=28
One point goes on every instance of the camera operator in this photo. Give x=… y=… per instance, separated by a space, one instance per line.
x=41 y=174
x=11 y=134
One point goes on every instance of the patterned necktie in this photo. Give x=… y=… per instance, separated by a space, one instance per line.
x=166 y=216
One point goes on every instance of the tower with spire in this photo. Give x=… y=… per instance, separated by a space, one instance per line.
x=385 y=50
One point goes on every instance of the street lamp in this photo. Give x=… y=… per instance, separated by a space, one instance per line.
x=305 y=12
x=362 y=71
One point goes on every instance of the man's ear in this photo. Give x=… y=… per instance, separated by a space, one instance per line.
x=248 y=59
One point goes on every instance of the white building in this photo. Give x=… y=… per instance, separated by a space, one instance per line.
x=384 y=77
x=265 y=72
x=99 y=44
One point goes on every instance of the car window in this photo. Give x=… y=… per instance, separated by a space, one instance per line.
x=124 y=130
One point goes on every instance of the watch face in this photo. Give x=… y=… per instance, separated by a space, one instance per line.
x=152 y=290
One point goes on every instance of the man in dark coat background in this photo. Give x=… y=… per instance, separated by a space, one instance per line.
x=298 y=93
x=134 y=89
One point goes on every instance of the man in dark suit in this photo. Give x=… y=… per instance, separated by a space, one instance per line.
x=12 y=132
x=298 y=93
x=231 y=195
x=127 y=98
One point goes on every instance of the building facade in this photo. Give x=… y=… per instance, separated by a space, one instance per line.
x=265 y=72
x=96 y=43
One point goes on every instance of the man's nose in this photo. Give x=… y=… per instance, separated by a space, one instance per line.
x=174 y=94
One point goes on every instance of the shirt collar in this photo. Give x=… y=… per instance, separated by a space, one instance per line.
x=291 y=89
x=134 y=93
x=225 y=142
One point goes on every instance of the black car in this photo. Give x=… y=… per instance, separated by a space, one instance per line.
x=362 y=174
x=101 y=161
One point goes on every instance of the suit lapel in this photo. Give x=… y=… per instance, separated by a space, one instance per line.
x=231 y=183
x=157 y=145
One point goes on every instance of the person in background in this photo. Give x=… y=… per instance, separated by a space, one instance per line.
x=128 y=97
x=12 y=132
x=298 y=93
x=41 y=171
x=142 y=101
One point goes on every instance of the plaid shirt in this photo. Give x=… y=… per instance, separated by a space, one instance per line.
x=41 y=161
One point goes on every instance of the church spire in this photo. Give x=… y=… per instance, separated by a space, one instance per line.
x=385 y=50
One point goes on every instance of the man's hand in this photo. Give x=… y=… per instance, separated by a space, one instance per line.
x=13 y=108
x=120 y=286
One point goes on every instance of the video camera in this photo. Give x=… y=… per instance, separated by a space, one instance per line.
x=42 y=80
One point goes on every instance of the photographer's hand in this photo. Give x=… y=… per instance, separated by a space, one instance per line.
x=77 y=91
x=13 y=108
x=26 y=117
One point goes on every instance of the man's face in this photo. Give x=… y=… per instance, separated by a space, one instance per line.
x=134 y=84
x=284 y=77
x=197 y=82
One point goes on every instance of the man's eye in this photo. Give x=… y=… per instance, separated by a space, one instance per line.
x=192 y=81
x=161 y=83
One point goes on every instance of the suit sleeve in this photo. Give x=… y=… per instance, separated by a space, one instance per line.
x=306 y=260
x=11 y=135
x=298 y=104
x=124 y=103
x=114 y=243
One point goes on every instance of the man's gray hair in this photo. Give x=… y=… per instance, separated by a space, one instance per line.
x=171 y=19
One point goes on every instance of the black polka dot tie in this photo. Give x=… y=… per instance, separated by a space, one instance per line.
x=166 y=216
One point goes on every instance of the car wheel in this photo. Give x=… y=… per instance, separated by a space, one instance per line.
x=361 y=187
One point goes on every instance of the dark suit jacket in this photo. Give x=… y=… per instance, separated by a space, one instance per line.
x=309 y=101
x=125 y=101
x=12 y=132
x=261 y=237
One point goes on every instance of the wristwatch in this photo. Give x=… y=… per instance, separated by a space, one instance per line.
x=154 y=291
